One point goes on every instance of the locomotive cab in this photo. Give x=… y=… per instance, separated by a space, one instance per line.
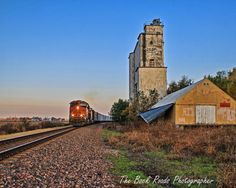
x=79 y=113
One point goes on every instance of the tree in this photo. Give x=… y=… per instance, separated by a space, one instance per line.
x=232 y=89
x=153 y=97
x=226 y=81
x=232 y=74
x=118 y=112
x=141 y=103
x=124 y=110
x=182 y=83
x=232 y=85
x=221 y=80
x=173 y=86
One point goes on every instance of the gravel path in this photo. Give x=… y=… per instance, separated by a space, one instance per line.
x=76 y=159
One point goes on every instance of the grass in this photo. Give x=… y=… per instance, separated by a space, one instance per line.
x=158 y=163
x=108 y=134
x=126 y=169
x=124 y=166
x=197 y=167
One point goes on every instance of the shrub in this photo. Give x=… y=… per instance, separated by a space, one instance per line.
x=9 y=128
x=25 y=125
x=218 y=143
x=226 y=175
x=47 y=124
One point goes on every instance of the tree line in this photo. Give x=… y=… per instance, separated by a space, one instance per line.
x=226 y=81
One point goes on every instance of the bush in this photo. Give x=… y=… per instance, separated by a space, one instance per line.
x=218 y=143
x=226 y=175
x=9 y=128
x=48 y=124
x=26 y=125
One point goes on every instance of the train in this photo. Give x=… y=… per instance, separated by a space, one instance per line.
x=82 y=114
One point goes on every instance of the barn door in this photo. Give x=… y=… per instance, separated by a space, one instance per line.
x=205 y=114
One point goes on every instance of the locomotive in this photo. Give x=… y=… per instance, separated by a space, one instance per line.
x=82 y=114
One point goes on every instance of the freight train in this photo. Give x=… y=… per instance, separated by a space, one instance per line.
x=82 y=114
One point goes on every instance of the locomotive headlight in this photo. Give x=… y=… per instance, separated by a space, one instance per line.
x=81 y=115
x=72 y=115
x=77 y=107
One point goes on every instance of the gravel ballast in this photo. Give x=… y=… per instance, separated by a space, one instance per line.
x=76 y=159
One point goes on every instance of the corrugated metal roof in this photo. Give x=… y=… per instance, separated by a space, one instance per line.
x=173 y=97
x=155 y=113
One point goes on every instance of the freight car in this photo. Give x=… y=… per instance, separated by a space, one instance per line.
x=82 y=114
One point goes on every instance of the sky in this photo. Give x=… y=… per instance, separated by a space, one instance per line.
x=56 y=51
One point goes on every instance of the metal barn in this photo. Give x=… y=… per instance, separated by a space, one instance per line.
x=202 y=103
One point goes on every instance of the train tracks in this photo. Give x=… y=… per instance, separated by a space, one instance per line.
x=12 y=146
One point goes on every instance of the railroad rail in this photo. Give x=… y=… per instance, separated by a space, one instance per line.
x=21 y=143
